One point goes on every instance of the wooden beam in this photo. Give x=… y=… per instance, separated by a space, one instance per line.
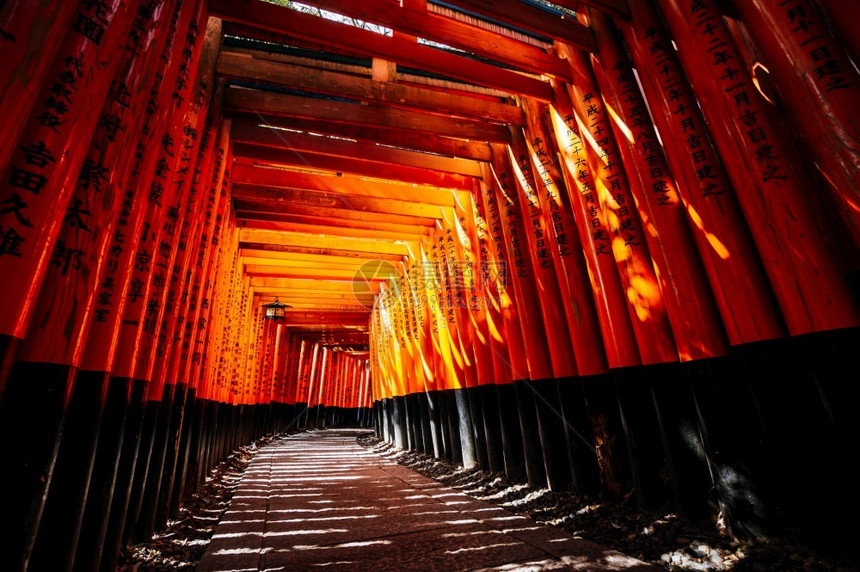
x=333 y=213
x=243 y=132
x=611 y=7
x=255 y=271
x=357 y=245
x=335 y=286
x=354 y=203
x=328 y=230
x=293 y=256
x=320 y=251
x=252 y=218
x=266 y=103
x=259 y=68
x=395 y=137
x=279 y=178
x=521 y=15
x=316 y=161
x=294 y=23
x=420 y=22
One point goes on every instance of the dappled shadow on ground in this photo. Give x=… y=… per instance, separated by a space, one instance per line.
x=662 y=539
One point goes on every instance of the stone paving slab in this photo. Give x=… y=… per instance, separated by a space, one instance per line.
x=320 y=501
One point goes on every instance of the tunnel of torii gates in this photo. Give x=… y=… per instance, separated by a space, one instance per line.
x=597 y=245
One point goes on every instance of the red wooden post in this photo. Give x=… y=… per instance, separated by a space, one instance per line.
x=646 y=305
x=30 y=34
x=811 y=290
x=820 y=88
x=725 y=246
x=696 y=324
x=574 y=284
x=616 y=328
x=37 y=183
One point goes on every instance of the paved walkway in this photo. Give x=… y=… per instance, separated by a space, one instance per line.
x=320 y=501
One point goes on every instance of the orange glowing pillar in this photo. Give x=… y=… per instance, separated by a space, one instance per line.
x=763 y=161
x=30 y=34
x=610 y=301
x=77 y=285
x=820 y=87
x=502 y=324
x=692 y=312
x=647 y=308
x=501 y=197
x=37 y=184
x=725 y=246
x=567 y=251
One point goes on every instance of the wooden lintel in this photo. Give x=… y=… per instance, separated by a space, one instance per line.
x=244 y=66
x=244 y=132
x=279 y=178
x=266 y=103
x=334 y=214
x=320 y=251
x=418 y=234
x=295 y=23
x=337 y=200
x=423 y=23
x=402 y=138
x=253 y=217
x=250 y=235
x=536 y=20
x=316 y=161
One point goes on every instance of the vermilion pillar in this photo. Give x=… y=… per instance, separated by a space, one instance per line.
x=35 y=189
x=820 y=87
x=647 y=308
x=30 y=34
x=696 y=325
x=734 y=270
x=811 y=290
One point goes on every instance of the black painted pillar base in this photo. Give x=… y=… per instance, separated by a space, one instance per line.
x=511 y=433
x=476 y=419
x=551 y=430
x=132 y=440
x=398 y=421
x=301 y=416
x=686 y=460
x=452 y=424
x=532 y=455
x=428 y=446
x=438 y=424
x=469 y=456
x=171 y=455
x=415 y=430
x=60 y=526
x=492 y=429
x=190 y=424
x=582 y=455
x=152 y=414
x=32 y=413
x=8 y=351
x=104 y=475
x=641 y=432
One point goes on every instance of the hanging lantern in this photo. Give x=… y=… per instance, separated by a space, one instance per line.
x=275 y=310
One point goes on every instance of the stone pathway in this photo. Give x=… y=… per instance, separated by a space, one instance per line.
x=320 y=501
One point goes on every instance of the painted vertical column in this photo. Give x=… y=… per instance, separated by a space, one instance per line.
x=568 y=253
x=820 y=88
x=541 y=251
x=60 y=326
x=30 y=34
x=501 y=197
x=616 y=328
x=692 y=312
x=36 y=184
x=646 y=305
x=35 y=190
x=737 y=279
x=116 y=461
x=810 y=289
